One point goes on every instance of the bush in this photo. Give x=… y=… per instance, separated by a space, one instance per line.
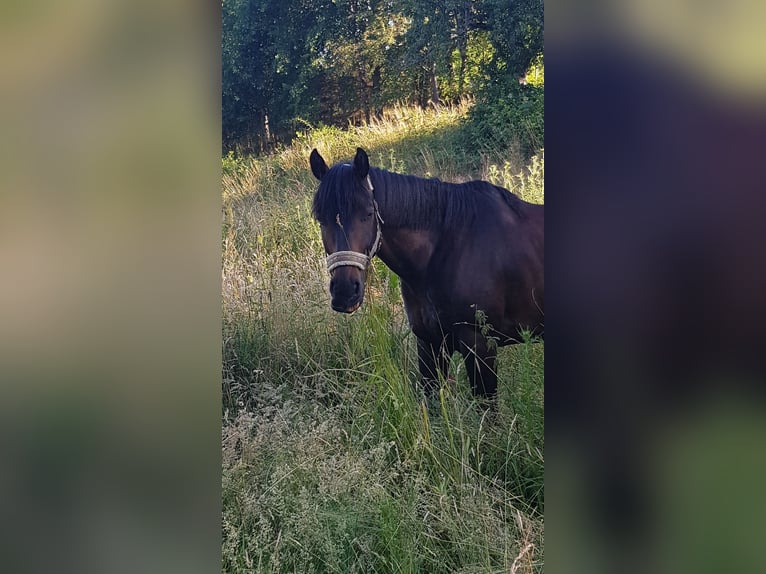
x=508 y=116
x=234 y=164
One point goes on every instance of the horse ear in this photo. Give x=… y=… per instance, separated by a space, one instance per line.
x=361 y=163
x=318 y=166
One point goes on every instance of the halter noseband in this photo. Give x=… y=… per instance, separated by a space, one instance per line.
x=354 y=258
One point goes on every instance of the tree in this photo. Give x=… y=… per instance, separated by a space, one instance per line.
x=516 y=30
x=332 y=61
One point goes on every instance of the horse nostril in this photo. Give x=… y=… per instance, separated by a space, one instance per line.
x=332 y=284
x=356 y=287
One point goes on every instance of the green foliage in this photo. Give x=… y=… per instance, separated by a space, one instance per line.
x=535 y=75
x=508 y=115
x=516 y=29
x=341 y=61
x=332 y=459
x=529 y=184
x=234 y=165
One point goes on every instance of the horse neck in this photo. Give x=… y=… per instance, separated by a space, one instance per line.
x=407 y=252
x=405 y=249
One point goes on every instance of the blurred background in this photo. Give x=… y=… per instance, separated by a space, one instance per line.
x=655 y=130
x=110 y=218
x=110 y=291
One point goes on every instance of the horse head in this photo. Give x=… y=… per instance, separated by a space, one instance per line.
x=345 y=207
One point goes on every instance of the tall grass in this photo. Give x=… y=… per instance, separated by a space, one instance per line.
x=332 y=459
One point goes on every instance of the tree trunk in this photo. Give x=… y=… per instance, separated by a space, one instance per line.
x=266 y=129
x=376 y=97
x=461 y=74
x=463 y=24
x=364 y=87
x=435 y=99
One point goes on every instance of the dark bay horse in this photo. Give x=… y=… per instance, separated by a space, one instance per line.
x=470 y=259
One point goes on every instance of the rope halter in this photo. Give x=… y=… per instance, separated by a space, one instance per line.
x=354 y=258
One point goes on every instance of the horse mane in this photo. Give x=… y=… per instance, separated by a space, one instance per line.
x=419 y=203
x=407 y=200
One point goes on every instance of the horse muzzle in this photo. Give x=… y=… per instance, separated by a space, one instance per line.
x=347 y=294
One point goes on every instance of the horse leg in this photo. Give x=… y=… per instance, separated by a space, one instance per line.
x=480 y=364
x=432 y=363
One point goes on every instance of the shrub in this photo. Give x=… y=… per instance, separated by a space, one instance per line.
x=506 y=116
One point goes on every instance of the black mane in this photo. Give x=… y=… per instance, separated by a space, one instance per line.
x=409 y=201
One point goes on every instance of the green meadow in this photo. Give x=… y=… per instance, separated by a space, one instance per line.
x=332 y=459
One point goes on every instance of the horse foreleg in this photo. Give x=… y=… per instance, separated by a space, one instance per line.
x=433 y=363
x=480 y=364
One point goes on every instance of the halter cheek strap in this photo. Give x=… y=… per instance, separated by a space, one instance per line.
x=354 y=258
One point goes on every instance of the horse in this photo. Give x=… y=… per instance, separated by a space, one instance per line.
x=469 y=257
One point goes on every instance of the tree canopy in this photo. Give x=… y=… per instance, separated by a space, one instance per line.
x=291 y=62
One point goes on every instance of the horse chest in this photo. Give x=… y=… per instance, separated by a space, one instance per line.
x=422 y=314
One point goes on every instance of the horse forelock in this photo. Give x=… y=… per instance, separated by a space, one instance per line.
x=338 y=195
